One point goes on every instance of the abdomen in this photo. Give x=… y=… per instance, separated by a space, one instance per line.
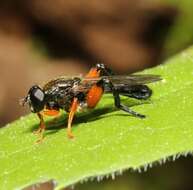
x=94 y=95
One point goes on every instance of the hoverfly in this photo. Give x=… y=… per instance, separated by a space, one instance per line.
x=71 y=93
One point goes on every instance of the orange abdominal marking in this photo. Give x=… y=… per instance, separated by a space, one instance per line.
x=94 y=95
x=93 y=73
x=51 y=112
x=95 y=92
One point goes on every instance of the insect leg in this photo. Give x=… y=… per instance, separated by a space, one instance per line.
x=123 y=107
x=41 y=128
x=117 y=100
x=71 y=116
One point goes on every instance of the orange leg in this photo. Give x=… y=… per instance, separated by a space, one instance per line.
x=71 y=116
x=41 y=128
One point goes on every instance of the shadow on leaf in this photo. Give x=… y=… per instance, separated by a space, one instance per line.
x=86 y=117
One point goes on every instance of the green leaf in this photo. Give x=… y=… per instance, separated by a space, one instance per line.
x=181 y=34
x=106 y=140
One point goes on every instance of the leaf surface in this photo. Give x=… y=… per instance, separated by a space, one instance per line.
x=106 y=140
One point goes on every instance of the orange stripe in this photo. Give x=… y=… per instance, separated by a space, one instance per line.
x=51 y=112
x=94 y=95
x=93 y=73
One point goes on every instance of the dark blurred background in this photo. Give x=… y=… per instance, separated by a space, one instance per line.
x=40 y=40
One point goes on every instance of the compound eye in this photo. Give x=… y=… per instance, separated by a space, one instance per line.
x=37 y=98
x=38 y=94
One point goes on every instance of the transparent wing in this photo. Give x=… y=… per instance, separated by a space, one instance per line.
x=117 y=80
x=134 y=79
x=121 y=82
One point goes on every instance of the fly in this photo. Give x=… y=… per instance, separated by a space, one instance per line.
x=70 y=94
